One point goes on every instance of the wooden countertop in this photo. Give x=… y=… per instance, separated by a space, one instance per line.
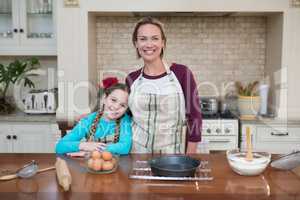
x=272 y=184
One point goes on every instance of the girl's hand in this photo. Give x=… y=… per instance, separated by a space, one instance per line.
x=92 y=146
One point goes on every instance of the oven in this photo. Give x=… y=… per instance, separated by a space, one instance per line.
x=220 y=131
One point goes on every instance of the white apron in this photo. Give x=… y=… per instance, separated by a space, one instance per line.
x=158 y=115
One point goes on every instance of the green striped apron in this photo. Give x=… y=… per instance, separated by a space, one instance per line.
x=158 y=115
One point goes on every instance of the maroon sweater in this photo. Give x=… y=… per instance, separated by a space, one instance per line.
x=189 y=87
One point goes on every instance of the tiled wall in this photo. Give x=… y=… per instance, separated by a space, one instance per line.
x=217 y=49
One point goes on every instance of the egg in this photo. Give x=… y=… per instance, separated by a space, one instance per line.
x=107 y=165
x=96 y=155
x=97 y=164
x=106 y=156
x=90 y=163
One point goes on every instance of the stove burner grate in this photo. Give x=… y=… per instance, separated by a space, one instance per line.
x=142 y=170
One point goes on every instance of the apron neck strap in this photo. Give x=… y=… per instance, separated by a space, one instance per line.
x=165 y=64
x=167 y=68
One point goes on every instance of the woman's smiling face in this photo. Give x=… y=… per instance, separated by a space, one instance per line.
x=149 y=42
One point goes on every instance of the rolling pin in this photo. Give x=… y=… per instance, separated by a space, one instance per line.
x=63 y=174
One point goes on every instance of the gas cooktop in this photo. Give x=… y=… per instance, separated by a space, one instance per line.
x=219 y=115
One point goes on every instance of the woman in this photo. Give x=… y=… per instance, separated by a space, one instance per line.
x=162 y=97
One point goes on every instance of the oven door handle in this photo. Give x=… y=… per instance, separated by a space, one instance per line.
x=217 y=141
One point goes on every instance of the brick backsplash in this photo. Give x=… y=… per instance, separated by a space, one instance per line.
x=295 y=3
x=218 y=50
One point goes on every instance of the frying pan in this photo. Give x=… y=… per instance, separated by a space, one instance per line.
x=174 y=166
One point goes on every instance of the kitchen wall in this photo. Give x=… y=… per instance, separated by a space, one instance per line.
x=76 y=36
x=218 y=50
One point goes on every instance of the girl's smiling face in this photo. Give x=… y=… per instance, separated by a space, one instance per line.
x=115 y=104
x=149 y=42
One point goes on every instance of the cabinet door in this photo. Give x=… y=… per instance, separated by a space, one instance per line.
x=29 y=29
x=9 y=21
x=32 y=138
x=37 y=23
x=5 y=139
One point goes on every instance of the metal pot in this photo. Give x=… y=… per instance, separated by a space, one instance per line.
x=209 y=105
x=174 y=166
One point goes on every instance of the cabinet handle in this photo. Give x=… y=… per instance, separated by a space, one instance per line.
x=15 y=137
x=21 y=30
x=15 y=30
x=280 y=134
x=8 y=137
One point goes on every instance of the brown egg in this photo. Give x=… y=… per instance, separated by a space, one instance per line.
x=107 y=165
x=96 y=155
x=97 y=165
x=90 y=163
x=106 y=156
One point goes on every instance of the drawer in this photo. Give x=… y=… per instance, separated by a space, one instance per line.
x=278 y=134
x=31 y=128
x=221 y=142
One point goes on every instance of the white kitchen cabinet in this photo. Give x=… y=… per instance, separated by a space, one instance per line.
x=274 y=138
x=5 y=138
x=27 y=27
x=27 y=137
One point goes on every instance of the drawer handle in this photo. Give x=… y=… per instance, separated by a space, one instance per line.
x=280 y=134
x=219 y=141
x=8 y=137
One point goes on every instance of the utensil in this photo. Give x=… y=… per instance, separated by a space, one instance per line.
x=174 y=166
x=63 y=174
x=287 y=162
x=27 y=171
x=249 y=155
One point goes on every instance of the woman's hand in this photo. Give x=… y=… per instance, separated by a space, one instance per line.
x=92 y=146
x=191 y=148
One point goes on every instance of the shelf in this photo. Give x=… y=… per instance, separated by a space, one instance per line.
x=5 y=13
x=39 y=14
x=40 y=35
x=6 y=35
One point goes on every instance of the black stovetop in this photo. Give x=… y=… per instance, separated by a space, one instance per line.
x=220 y=115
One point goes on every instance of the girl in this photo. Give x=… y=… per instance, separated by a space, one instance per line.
x=108 y=129
x=162 y=97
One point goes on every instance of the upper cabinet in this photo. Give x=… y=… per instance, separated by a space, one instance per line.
x=27 y=27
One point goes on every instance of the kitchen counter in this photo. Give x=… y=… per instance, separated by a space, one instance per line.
x=271 y=121
x=272 y=184
x=23 y=117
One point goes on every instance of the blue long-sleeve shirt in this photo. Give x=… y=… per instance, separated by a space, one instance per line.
x=71 y=141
